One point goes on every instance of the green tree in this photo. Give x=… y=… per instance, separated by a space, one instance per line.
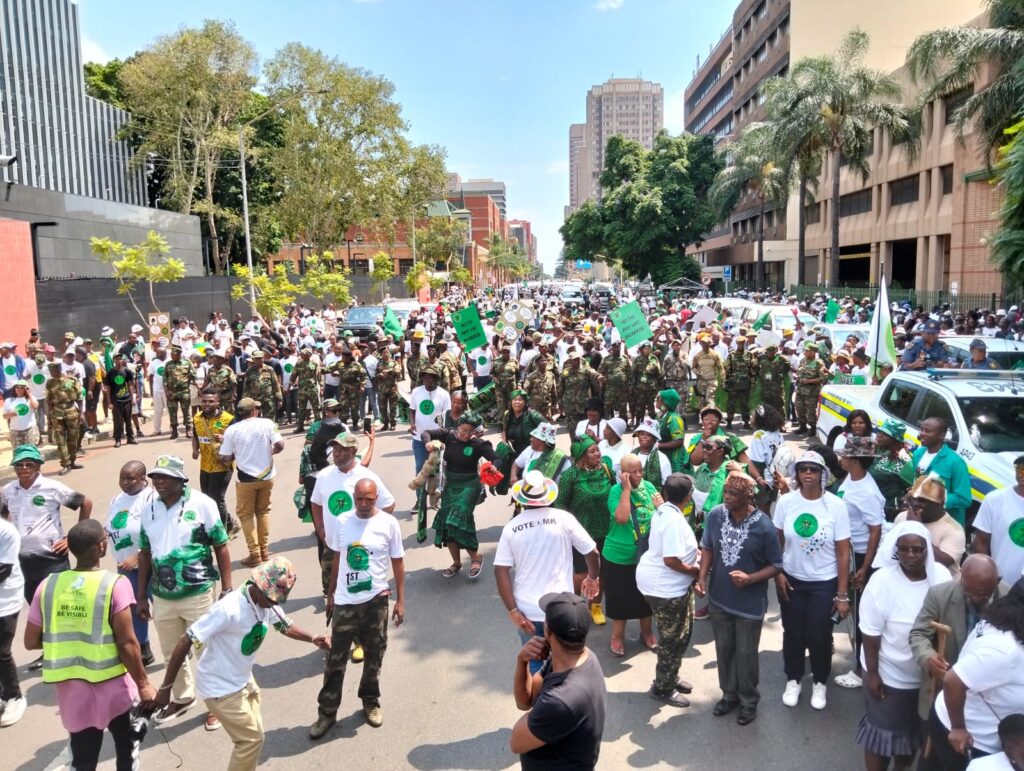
x=953 y=58
x=103 y=82
x=460 y=275
x=754 y=169
x=325 y=281
x=843 y=102
x=148 y=263
x=507 y=257
x=274 y=291
x=441 y=241
x=420 y=277
x=383 y=270
x=186 y=93
x=1008 y=242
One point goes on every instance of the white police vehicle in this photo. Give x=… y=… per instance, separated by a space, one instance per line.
x=984 y=410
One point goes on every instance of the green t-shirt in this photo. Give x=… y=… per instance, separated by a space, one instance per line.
x=620 y=543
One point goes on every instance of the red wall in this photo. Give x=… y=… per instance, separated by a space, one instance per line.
x=18 y=312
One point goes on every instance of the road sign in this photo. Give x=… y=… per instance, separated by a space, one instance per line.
x=706 y=279
x=727 y=273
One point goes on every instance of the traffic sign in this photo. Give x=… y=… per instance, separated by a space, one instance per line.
x=705 y=279
x=727 y=273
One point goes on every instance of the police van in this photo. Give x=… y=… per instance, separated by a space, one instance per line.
x=984 y=411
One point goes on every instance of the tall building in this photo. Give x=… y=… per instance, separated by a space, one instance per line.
x=492 y=187
x=522 y=231
x=725 y=95
x=578 y=174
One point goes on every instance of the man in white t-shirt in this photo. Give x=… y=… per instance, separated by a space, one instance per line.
x=12 y=584
x=538 y=544
x=252 y=443
x=999 y=526
x=480 y=362
x=331 y=377
x=228 y=635
x=367 y=539
x=427 y=403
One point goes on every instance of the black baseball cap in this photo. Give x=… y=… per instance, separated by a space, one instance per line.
x=567 y=616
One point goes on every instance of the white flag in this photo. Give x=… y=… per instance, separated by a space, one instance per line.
x=881 y=346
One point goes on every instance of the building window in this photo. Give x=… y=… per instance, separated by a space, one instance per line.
x=812 y=213
x=360 y=267
x=904 y=190
x=955 y=101
x=762 y=53
x=947 y=179
x=855 y=203
x=762 y=10
x=404 y=267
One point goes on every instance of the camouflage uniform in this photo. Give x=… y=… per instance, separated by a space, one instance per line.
x=617 y=373
x=677 y=376
x=414 y=364
x=261 y=383
x=178 y=376
x=388 y=375
x=352 y=375
x=575 y=389
x=454 y=365
x=367 y=623
x=771 y=373
x=646 y=384
x=740 y=368
x=807 y=393
x=443 y=376
x=63 y=393
x=223 y=381
x=541 y=391
x=306 y=380
x=503 y=375
x=707 y=366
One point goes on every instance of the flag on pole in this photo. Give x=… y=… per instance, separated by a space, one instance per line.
x=392 y=326
x=831 y=311
x=881 y=346
x=762 y=321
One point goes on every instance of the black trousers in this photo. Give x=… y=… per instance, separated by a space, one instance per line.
x=807 y=628
x=943 y=756
x=123 y=420
x=215 y=484
x=36 y=567
x=9 y=686
x=86 y=745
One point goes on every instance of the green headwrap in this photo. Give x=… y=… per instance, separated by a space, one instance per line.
x=670 y=397
x=580 y=447
x=519 y=392
x=470 y=418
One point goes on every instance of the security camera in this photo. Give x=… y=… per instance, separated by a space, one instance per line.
x=8 y=160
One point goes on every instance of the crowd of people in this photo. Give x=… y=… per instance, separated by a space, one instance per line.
x=663 y=511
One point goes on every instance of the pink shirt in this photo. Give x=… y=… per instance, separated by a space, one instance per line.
x=93 y=705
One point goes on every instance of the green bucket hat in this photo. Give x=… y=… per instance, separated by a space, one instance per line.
x=27 y=452
x=894 y=428
x=169 y=466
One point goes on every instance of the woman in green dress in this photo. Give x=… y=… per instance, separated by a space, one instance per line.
x=454 y=523
x=583 y=490
x=673 y=430
x=516 y=425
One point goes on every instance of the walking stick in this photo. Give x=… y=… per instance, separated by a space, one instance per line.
x=942 y=631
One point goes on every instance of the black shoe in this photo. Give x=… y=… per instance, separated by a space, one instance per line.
x=35 y=665
x=747 y=715
x=672 y=698
x=117 y=443
x=174 y=433
x=724 y=707
x=131 y=440
x=683 y=686
x=147 y=655
x=75 y=465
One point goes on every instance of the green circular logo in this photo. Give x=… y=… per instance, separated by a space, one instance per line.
x=189 y=516
x=805 y=525
x=10 y=369
x=39 y=378
x=358 y=557
x=22 y=410
x=254 y=639
x=38 y=500
x=482 y=360
x=467 y=451
x=119 y=520
x=288 y=367
x=426 y=407
x=339 y=502
x=1017 y=532
x=119 y=379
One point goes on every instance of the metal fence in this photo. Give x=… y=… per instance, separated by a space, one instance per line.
x=959 y=302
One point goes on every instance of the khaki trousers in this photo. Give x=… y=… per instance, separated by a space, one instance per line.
x=172 y=618
x=240 y=715
x=252 y=507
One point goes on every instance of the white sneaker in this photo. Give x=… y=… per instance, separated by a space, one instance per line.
x=792 y=693
x=818 y=695
x=850 y=680
x=14 y=710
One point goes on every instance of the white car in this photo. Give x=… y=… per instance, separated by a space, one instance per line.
x=984 y=410
x=781 y=317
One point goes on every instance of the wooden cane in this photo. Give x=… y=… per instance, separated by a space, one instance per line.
x=942 y=631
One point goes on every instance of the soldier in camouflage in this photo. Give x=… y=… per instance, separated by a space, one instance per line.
x=388 y=375
x=677 y=371
x=708 y=369
x=350 y=389
x=306 y=381
x=646 y=382
x=541 y=389
x=740 y=371
x=179 y=374
x=456 y=368
x=504 y=373
x=618 y=377
x=221 y=378
x=443 y=376
x=772 y=371
x=578 y=384
x=810 y=375
x=261 y=384
x=416 y=360
x=63 y=413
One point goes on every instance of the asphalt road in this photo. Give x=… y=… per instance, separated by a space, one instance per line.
x=446 y=679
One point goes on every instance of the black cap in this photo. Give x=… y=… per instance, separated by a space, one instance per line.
x=567 y=616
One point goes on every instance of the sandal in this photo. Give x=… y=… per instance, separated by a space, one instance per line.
x=651 y=643
x=618 y=648
x=475 y=568
x=448 y=572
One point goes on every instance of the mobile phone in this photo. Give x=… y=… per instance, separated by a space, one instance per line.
x=836 y=618
x=367 y=424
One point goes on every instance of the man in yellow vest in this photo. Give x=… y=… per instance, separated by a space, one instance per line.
x=82 y=620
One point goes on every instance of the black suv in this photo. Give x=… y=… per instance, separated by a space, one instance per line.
x=362 y=321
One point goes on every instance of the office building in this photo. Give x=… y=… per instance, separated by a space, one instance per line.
x=492 y=187
x=522 y=232
x=578 y=174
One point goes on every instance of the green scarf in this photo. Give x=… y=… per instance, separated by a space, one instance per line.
x=549 y=462
x=652 y=469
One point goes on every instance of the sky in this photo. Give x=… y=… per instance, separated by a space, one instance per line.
x=494 y=82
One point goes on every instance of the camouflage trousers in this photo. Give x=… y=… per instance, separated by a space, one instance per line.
x=706 y=390
x=643 y=403
x=739 y=402
x=65 y=427
x=502 y=401
x=182 y=400
x=366 y=622
x=616 y=402
x=806 y=404
x=227 y=400
x=308 y=399
x=776 y=400
x=388 y=405
x=348 y=409
x=675 y=624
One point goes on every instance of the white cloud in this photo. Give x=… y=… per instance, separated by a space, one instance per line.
x=93 y=51
x=609 y=5
x=675 y=104
x=557 y=168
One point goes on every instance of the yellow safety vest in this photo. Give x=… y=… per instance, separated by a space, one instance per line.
x=78 y=640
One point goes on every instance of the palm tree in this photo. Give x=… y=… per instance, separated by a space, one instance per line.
x=842 y=102
x=751 y=165
x=1008 y=242
x=952 y=58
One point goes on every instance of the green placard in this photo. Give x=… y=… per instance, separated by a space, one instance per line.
x=468 y=328
x=631 y=323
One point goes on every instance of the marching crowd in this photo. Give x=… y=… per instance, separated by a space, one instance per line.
x=643 y=519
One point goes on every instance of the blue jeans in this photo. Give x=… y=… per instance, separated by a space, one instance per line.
x=369 y=397
x=141 y=626
x=419 y=454
x=538 y=631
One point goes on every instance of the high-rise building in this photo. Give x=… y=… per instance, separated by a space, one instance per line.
x=522 y=231
x=725 y=95
x=578 y=173
x=492 y=187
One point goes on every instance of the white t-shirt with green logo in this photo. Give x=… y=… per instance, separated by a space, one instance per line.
x=811 y=529
x=481 y=358
x=21 y=415
x=366 y=548
x=124 y=522
x=429 y=406
x=335 y=492
x=1002 y=516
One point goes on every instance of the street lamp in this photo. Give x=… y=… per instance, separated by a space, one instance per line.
x=245 y=192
